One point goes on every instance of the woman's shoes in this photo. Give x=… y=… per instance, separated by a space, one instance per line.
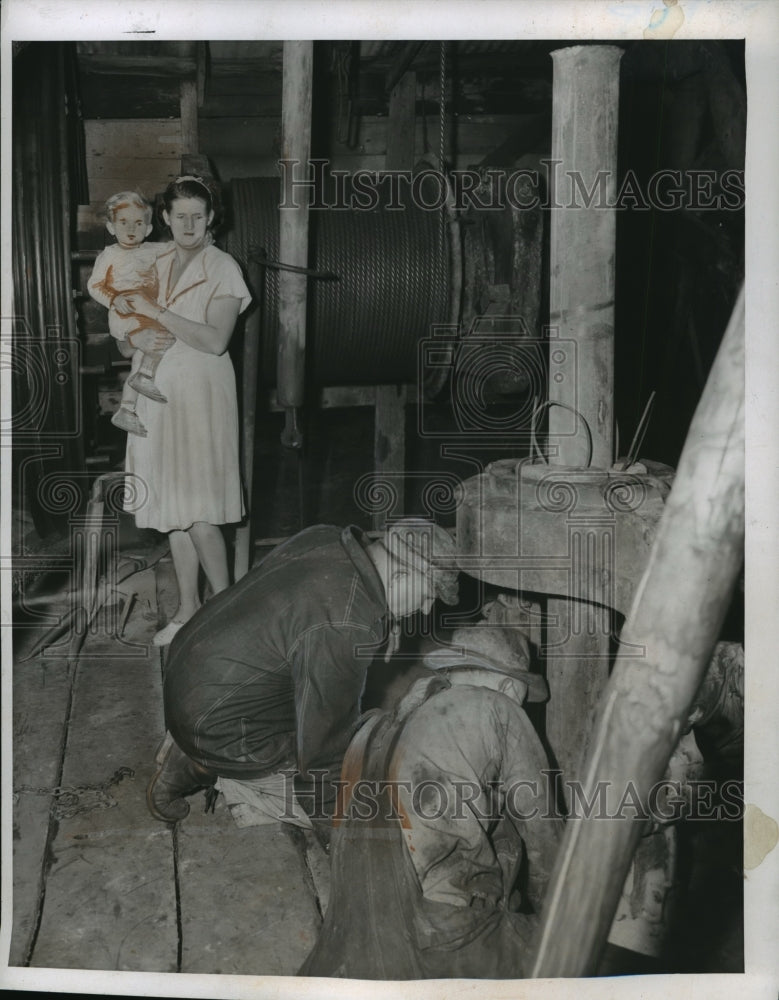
x=165 y=635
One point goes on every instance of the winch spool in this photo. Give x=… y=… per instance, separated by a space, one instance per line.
x=395 y=284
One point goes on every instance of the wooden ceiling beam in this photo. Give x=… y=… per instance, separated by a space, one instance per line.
x=402 y=62
x=138 y=58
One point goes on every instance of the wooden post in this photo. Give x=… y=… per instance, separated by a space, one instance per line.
x=188 y=101
x=585 y=104
x=201 y=56
x=582 y=246
x=389 y=435
x=389 y=442
x=666 y=645
x=249 y=375
x=293 y=224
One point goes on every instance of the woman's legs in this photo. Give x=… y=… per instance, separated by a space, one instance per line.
x=202 y=544
x=209 y=543
x=187 y=565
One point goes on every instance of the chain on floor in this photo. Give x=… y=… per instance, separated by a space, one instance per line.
x=74 y=799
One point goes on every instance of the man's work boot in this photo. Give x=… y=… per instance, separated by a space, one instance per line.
x=176 y=776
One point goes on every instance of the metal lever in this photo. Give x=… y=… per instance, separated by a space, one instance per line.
x=291 y=436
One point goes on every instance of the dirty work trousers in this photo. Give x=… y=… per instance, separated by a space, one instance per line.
x=378 y=924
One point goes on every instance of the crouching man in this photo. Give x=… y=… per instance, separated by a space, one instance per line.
x=265 y=680
x=444 y=836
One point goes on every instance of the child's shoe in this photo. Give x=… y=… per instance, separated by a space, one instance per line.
x=143 y=384
x=128 y=421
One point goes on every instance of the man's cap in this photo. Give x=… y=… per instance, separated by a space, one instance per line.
x=422 y=545
x=491 y=647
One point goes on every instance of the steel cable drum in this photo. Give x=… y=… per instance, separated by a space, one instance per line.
x=364 y=328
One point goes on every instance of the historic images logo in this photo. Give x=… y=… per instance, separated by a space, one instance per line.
x=523 y=189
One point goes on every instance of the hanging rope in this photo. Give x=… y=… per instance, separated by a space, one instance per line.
x=423 y=102
x=442 y=148
x=442 y=104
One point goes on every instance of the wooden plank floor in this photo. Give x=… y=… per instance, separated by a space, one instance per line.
x=98 y=883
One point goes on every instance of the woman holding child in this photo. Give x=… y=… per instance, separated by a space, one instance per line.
x=188 y=463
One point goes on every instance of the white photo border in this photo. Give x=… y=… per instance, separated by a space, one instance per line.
x=758 y=23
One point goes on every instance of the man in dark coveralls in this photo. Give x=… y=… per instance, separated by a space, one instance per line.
x=266 y=678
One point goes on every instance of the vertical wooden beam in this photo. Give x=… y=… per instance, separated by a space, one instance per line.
x=188 y=102
x=582 y=246
x=389 y=442
x=389 y=437
x=201 y=54
x=192 y=94
x=297 y=79
x=667 y=644
x=249 y=376
x=585 y=99
x=401 y=131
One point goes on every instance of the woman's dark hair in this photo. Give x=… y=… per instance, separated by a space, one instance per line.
x=189 y=186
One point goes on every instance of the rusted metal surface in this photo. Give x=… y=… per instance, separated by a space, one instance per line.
x=583 y=534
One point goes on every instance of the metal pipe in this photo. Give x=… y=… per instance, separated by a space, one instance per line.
x=297 y=78
x=666 y=646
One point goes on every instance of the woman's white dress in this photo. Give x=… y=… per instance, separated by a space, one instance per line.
x=187 y=468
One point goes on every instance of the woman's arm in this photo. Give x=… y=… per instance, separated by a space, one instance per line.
x=149 y=341
x=211 y=337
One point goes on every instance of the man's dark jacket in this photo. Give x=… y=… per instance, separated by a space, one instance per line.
x=269 y=673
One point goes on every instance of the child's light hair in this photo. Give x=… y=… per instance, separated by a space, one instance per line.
x=117 y=201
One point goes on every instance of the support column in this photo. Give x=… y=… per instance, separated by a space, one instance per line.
x=250 y=376
x=583 y=180
x=191 y=97
x=293 y=231
x=189 y=126
x=389 y=434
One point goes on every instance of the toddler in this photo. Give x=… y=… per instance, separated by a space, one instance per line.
x=128 y=266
